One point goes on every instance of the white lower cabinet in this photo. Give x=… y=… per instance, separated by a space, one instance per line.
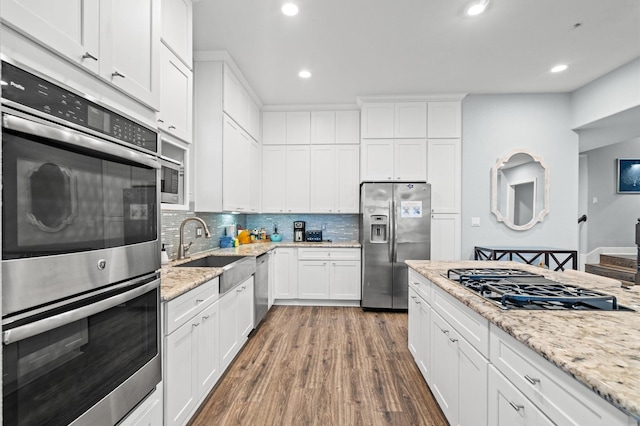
x=508 y=406
x=420 y=332
x=445 y=236
x=329 y=273
x=191 y=366
x=148 y=413
x=236 y=319
x=286 y=273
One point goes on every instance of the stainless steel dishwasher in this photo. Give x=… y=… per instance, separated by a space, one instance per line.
x=261 y=289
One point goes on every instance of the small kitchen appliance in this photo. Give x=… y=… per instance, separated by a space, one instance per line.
x=314 y=236
x=298 y=231
x=517 y=289
x=171 y=182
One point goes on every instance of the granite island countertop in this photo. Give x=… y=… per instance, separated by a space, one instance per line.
x=599 y=349
x=176 y=281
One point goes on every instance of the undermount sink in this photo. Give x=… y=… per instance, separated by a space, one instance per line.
x=211 y=262
x=236 y=269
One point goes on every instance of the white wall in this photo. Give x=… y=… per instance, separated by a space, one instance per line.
x=492 y=126
x=610 y=94
x=612 y=220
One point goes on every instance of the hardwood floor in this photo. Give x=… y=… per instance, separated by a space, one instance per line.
x=323 y=366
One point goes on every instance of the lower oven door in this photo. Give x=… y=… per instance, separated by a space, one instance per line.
x=89 y=362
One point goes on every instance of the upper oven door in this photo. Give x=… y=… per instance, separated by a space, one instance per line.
x=76 y=210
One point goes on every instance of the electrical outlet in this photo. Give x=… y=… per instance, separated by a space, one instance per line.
x=475 y=221
x=199 y=232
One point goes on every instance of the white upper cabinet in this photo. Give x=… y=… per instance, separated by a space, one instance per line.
x=347 y=127
x=273 y=179
x=334 y=179
x=176 y=97
x=274 y=128
x=410 y=160
x=130 y=47
x=297 y=179
x=298 y=128
x=410 y=120
x=239 y=105
x=376 y=158
x=444 y=174
x=177 y=29
x=378 y=120
x=444 y=120
x=118 y=40
x=71 y=28
x=323 y=127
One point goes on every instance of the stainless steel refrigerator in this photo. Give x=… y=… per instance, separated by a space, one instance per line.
x=395 y=225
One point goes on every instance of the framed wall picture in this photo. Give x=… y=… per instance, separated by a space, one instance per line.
x=628 y=176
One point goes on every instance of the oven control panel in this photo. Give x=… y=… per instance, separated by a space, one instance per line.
x=34 y=92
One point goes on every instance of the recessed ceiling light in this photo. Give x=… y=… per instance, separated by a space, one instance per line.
x=477 y=8
x=304 y=74
x=290 y=9
x=559 y=68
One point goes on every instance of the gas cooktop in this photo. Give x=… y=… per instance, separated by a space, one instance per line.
x=517 y=289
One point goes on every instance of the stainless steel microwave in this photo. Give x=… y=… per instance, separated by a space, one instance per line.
x=171 y=182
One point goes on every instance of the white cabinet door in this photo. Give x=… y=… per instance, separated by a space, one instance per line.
x=130 y=47
x=323 y=127
x=348 y=127
x=273 y=179
x=344 y=280
x=177 y=28
x=445 y=237
x=254 y=120
x=298 y=128
x=181 y=386
x=347 y=179
x=313 y=279
x=245 y=308
x=70 y=28
x=208 y=329
x=176 y=97
x=376 y=158
x=229 y=341
x=444 y=174
x=254 y=176
x=410 y=120
x=414 y=325
x=410 y=159
x=507 y=406
x=297 y=179
x=286 y=277
x=424 y=348
x=149 y=412
x=235 y=150
x=472 y=397
x=235 y=99
x=274 y=128
x=272 y=278
x=377 y=120
x=323 y=179
x=444 y=372
x=444 y=120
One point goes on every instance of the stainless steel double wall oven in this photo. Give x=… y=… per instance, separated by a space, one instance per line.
x=80 y=251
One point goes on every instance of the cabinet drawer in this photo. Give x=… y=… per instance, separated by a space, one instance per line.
x=420 y=284
x=471 y=325
x=179 y=310
x=563 y=399
x=328 y=253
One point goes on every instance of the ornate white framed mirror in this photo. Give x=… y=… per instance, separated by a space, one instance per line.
x=520 y=189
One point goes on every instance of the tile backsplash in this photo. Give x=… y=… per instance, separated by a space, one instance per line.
x=339 y=228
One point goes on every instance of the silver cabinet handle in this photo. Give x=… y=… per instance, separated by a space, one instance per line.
x=453 y=340
x=88 y=55
x=160 y=120
x=195 y=324
x=206 y=317
x=531 y=380
x=199 y=300
x=516 y=407
x=117 y=74
x=172 y=127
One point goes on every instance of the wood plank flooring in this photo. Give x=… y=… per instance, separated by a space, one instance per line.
x=323 y=366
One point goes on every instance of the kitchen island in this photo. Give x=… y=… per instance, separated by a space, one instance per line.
x=600 y=350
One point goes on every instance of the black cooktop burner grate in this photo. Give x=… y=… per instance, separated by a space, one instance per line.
x=518 y=289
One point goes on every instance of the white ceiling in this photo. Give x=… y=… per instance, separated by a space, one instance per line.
x=395 y=47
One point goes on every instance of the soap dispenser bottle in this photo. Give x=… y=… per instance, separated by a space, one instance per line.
x=164 y=257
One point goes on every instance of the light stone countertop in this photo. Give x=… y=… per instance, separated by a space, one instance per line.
x=176 y=281
x=599 y=349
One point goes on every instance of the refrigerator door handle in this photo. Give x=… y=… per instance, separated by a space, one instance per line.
x=391 y=235
x=395 y=234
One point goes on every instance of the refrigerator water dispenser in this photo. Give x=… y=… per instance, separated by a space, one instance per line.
x=379 y=229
